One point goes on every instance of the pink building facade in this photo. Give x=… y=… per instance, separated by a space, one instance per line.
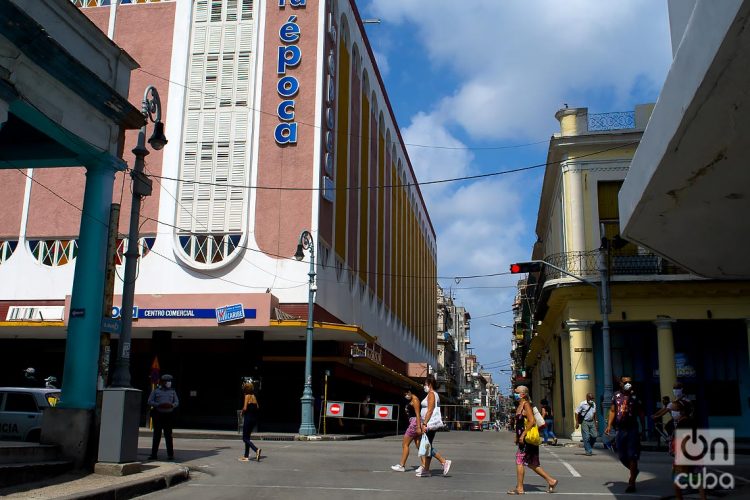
x=278 y=122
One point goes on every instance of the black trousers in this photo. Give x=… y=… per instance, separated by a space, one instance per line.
x=162 y=422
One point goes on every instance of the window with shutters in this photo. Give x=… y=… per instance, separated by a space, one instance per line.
x=214 y=167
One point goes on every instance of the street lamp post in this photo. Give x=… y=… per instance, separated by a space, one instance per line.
x=307 y=426
x=151 y=109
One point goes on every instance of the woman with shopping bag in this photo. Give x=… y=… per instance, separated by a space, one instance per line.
x=528 y=441
x=432 y=420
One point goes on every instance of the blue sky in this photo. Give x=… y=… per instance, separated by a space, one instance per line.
x=492 y=73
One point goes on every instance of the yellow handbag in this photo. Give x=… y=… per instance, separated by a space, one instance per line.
x=532 y=437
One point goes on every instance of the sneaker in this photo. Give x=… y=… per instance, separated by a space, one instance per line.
x=257 y=455
x=424 y=473
x=446 y=467
x=398 y=468
x=152 y=457
x=419 y=469
x=243 y=459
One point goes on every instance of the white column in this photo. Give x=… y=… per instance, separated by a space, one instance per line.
x=582 y=373
x=667 y=367
x=575 y=224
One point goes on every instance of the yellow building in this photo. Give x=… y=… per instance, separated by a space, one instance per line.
x=665 y=323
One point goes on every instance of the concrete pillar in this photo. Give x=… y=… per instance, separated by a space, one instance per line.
x=85 y=315
x=582 y=370
x=576 y=217
x=568 y=423
x=667 y=367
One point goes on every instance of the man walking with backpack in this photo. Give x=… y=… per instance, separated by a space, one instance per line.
x=587 y=419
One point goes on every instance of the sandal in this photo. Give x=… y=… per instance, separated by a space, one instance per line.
x=514 y=491
x=551 y=487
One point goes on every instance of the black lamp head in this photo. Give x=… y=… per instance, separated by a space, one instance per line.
x=158 y=140
x=299 y=254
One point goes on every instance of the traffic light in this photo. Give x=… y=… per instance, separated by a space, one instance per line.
x=525 y=267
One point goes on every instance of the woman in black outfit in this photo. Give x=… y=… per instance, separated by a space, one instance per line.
x=250 y=413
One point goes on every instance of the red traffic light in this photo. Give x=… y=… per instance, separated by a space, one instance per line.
x=525 y=267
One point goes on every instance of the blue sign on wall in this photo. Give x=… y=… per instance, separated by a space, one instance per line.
x=229 y=313
x=221 y=314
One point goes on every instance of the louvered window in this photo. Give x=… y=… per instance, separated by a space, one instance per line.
x=214 y=169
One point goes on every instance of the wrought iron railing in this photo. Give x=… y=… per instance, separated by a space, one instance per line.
x=611 y=121
x=586 y=264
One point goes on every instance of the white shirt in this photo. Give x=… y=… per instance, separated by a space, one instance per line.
x=588 y=411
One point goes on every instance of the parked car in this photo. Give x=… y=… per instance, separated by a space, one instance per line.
x=475 y=426
x=21 y=412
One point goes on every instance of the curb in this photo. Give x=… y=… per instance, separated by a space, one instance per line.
x=135 y=488
x=187 y=434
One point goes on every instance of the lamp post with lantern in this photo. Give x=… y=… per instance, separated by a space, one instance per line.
x=307 y=426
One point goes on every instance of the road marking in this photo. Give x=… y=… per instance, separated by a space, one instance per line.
x=570 y=468
x=385 y=490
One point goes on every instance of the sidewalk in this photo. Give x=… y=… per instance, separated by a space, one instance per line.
x=155 y=475
x=83 y=485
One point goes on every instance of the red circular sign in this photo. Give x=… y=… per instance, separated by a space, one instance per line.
x=383 y=412
x=481 y=414
x=334 y=408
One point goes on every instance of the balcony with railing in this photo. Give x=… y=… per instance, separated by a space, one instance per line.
x=621 y=263
x=619 y=120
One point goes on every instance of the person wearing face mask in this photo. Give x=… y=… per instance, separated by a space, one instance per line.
x=527 y=454
x=674 y=409
x=587 y=419
x=163 y=401
x=430 y=406
x=625 y=414
x=413 y=431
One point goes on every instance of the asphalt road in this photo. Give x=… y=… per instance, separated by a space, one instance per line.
x=483 y=467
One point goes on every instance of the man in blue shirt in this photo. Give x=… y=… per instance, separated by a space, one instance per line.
x=586 y=418
x=163 y=401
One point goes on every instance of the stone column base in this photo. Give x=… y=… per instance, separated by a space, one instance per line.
x=69 y=429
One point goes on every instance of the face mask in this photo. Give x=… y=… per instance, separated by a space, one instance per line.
x=677 y=393
x=591 y=401
x=627 y=386
x=408 y=398
x=168 y=385
x=427 y=388
x=516 y=396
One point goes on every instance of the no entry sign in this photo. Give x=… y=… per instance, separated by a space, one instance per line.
x=383 y=412
x=334 y=409
x=480 y=414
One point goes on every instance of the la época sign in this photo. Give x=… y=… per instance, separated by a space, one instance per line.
x=289 y=56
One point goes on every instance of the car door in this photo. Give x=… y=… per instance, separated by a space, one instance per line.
x=21 y=414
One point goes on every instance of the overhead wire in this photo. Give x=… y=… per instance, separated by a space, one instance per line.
x=356 y=136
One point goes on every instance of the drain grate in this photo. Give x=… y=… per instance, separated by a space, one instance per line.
x=274 y=437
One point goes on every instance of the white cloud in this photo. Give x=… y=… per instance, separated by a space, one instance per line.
x=520 y=61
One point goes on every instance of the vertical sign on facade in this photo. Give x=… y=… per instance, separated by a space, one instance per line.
x=289 y=56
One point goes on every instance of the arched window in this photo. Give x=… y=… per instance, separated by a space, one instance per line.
x=54 y=253
x=214 y=167
x=7 y=247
